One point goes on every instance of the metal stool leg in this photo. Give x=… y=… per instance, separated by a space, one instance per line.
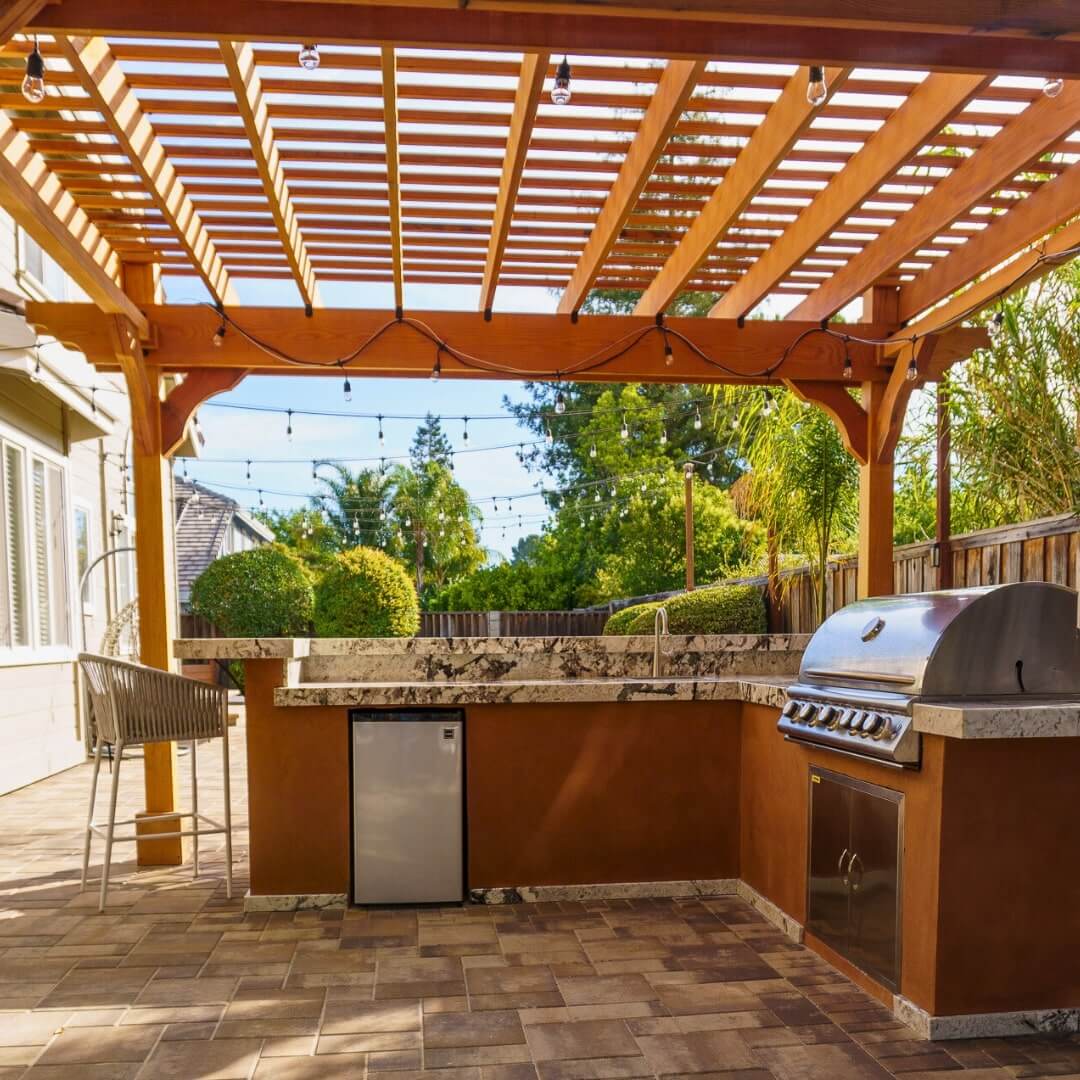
x=194 y=811
x=118 y=758
x=90 y=813
x=228 y=804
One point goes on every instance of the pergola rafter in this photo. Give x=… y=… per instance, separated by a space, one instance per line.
x=103 y=81
x=239 y=60
x=393 y=171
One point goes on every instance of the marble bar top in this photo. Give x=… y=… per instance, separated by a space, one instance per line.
x=226 y=648
x=1046 y=719
x=757 y=691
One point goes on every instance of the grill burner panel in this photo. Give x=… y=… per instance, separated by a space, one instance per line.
x=872 y=661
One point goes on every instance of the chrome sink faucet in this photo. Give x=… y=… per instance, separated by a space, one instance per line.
x=660 y=626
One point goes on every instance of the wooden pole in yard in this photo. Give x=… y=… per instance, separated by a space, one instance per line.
x=943 y=529
x=688 y=502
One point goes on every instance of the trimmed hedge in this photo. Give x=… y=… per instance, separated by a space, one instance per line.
x=366 y=593
x=726 y=609
x=262 y=592
x=619 y=622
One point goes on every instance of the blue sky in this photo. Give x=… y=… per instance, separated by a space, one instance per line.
x=240 y=435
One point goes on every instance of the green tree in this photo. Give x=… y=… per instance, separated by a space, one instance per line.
x=802 y=483
x=430 y=444
x=354 y=505
x=306 y=533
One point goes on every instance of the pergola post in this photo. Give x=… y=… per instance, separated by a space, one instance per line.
x=155 y=570
x=875 y=576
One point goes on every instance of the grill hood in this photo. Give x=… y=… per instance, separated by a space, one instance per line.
x=998 y=640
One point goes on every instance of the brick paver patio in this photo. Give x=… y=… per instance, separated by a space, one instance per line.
x=176 y=981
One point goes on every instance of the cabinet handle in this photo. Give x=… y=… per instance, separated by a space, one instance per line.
x=840 y=867
x=851 y=866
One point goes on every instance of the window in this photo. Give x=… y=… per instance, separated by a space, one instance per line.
x=82 y=527
x=40 y=272
x=35 y=580
x=125 y=568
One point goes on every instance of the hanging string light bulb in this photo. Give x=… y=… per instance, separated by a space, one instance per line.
x=1052 y=87
x=560 y=403
x=560 y=92
x=382 y=438
x=465 y=431
x=549 y=439
x=436 y=371
x=248 y=475
x=912 y=372
x=592 y=450
x=663 y=436
x=848 y=370
x=33 y=84
x=624 y=431
x=817 y=90
x=348 y=389
x=308 y=57
x=767 y=406
x=697 y=419
x=288 y=424
x=996 y=325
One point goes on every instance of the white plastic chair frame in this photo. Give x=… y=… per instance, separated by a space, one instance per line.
x=134 y=705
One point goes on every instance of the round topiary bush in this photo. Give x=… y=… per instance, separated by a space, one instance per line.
x=365 y=593
x=620 y=622
x=263 y=592
x=726 y=609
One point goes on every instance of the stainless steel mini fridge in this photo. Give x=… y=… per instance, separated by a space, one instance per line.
x=408 y=810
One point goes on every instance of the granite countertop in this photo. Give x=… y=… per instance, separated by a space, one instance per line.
x=1046 y=719
x=758 y=690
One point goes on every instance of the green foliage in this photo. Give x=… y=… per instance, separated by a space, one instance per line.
x=366 y=593
x=263 y=592
x=620 y=622
x=802 y=484
x=726 y=609
x=307 y=534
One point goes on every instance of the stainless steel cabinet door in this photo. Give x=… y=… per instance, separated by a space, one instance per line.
x=875 y=883
x=408 y=810
x=830 y=849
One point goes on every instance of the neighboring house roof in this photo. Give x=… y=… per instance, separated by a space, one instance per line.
x=204 y=519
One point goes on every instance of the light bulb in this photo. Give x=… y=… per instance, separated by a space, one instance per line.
x=308 y=57
x=560 y=403
x=33 y=85
x=669 y=356
x=219 y=337
x=560 y=92
x=549 y=439
x=1051 y=88
x=848 y=371
x=996 y=325
x=663 y=436
x=624 y=431
x=912 y=371
x=436 y=371
x=767 y=405
x=592 y=450
x=288 y=426
x=348 y=390
x=697 y=420
x=816 y=88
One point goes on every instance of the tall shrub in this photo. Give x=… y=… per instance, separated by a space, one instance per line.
x=365 y=593
x=263 y=592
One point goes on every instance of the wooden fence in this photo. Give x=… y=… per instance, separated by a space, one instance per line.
x=512 y=623
x=1043 y=550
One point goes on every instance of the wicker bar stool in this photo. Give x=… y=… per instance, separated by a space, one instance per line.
x=134 y=705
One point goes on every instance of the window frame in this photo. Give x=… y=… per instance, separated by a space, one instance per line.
x=87 y=603
x=31 y=450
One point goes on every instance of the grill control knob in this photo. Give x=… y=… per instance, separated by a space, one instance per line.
x=790 y=708
x=872 y=722
x=806 y=713
x=856 y=721
x=886 y=729
x=845 y=718
x=826 y=718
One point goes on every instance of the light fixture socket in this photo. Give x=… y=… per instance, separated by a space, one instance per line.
x=560 y=92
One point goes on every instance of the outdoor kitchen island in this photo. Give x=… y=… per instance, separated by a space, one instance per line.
x=586 y=777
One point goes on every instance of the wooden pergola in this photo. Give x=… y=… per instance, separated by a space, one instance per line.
x=935 y=177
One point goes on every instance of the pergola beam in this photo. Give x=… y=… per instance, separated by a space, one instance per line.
x=1029 y=221
x=41 y=206
x=788 y=117
x=525 y=343
x=666 y=106
x=15 y=14
x=239 y=60
x=393 y=171
x=918 y=119
x=526 y=101
x=105 y=85
x=829 y=36
x=1015 y=147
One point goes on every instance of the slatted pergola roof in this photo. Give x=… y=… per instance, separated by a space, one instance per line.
x=223 y=159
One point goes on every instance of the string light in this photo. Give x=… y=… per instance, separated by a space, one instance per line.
x=249 y=472
x=592 y=450
x=549 y=439
x=382 y=438
x=33 y=84
x=768 y=404
x=697 y=419
x=996 y=325
x=288 y=424
x=560 y=403
x=436 y=371
x=465 y=431
x=308 y=57
x=560 y=92
x=817 y=89
x=1052 y=87
x=663 y=436
x=348 y=389
x=912 y=372
x=624 y=431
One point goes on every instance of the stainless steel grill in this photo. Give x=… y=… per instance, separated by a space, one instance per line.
x=869 y=663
